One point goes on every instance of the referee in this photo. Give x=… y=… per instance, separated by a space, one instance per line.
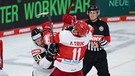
x=95 y=54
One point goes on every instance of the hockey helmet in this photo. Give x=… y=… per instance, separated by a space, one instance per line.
x=36 y=33
x=82 y=28
x=93 y=8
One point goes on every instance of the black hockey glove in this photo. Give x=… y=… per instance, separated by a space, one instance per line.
x=70 y=28
x=53 y=49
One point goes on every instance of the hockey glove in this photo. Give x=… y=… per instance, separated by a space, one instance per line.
x=66 y=18
x=53 y=49
x=46 y=26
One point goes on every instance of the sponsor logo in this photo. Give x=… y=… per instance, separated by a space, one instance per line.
x=70 y=61
x=8 y=33
x=96 y=38
x=24 y=30
x=130 y=18
x=113 y=19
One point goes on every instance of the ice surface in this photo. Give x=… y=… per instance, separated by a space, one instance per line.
x=121 y=53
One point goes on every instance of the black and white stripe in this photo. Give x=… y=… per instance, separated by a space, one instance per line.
x=101 y=45
x=104 y=43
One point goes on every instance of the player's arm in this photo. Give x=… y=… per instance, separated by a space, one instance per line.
x=41 y=59
x=45 y=63
x=37 y=55
x=106 y=39
x=91 y=29
x=47 y=37
x=68 y=20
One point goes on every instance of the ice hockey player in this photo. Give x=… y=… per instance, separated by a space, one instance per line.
x=72 y=44
x=2 y=72
x=43 y=65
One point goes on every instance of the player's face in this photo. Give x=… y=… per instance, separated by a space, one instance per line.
x=39 y=42
x=93 y=15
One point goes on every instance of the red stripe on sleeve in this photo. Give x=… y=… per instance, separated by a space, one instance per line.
x=108 y=38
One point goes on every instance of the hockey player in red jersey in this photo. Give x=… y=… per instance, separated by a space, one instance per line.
x=43 y=65
x=2 y=72
x=72 y=43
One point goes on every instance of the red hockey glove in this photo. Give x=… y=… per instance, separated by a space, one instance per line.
x=66 y=18
x=46 y=26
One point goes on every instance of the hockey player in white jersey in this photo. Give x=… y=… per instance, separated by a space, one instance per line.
x=43 y=65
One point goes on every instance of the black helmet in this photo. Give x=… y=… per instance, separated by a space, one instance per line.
x=93 y=8
x=36 y=33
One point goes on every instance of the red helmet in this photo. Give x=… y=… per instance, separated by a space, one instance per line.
x=46 y=26
x=82 y=28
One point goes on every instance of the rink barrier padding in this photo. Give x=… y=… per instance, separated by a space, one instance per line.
x=56 y=26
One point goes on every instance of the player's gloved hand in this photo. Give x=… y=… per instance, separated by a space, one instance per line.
x=53 y=49
x=66 y=18
x=46 y=26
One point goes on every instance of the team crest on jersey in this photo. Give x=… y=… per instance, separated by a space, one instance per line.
x=101 y=28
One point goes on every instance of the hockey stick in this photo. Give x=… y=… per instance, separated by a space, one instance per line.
x=70 y=7
x=68 y=11
x=51 y=26
x=50 y=20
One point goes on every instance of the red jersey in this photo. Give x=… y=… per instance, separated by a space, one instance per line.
x=71 y=50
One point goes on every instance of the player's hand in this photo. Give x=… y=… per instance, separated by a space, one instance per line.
x=46 y=26
x=53 y=49
x=66 y=18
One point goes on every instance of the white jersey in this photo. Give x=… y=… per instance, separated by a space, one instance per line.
x=3 y=73
x=41 y=69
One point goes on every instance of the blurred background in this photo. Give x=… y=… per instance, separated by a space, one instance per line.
x=23 y=13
